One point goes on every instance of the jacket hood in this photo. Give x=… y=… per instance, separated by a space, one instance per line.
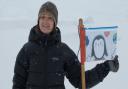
x=37 y=36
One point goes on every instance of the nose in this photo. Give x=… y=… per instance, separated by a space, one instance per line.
x=45 y=21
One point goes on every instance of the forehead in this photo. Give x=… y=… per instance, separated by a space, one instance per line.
x=46 y=13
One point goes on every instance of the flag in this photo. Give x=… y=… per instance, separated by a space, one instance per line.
x=100 y=43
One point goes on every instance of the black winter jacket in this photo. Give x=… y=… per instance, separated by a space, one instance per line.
x=44 y=60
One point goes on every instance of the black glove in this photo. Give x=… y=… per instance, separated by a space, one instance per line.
x=113 y=64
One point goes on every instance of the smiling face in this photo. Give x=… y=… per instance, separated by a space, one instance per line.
x=46 y=23
x=99 y=48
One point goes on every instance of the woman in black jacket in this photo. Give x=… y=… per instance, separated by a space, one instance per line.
x=44 y=60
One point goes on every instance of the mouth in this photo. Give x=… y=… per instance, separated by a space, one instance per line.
x=45 y=27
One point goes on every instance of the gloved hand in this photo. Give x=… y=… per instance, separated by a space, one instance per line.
x=113 y=64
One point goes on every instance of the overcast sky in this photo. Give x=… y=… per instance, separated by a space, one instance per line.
x=68 y=9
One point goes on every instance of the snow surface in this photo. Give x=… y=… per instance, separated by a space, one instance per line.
x=17 y=18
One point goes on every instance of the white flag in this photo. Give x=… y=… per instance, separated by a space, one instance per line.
x=101 y=43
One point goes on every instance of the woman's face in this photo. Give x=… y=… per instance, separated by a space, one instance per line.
x=46 y=23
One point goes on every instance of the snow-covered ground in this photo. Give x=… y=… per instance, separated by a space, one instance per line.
x=17 y=18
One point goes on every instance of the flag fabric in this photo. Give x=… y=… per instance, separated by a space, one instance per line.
x=101 y=43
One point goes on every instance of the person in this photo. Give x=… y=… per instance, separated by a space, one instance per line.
x=44 y=61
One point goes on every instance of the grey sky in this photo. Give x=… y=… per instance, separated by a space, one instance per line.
x=68 y=9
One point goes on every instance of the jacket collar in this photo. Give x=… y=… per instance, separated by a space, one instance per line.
x=37 y=36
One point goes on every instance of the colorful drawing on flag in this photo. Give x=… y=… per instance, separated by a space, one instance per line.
x=99 y=47
x=101 y=43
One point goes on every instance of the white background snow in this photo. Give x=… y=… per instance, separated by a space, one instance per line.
x=18 y=16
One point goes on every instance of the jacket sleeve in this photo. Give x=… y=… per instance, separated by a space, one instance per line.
x=71 y=66
x=20 y=71
x=73 y=71
x=97 y=74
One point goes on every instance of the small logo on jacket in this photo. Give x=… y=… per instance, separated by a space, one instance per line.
x=55 y=58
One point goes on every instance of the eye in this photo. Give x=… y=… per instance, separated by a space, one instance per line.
x=95 y=43
x=42 y=17
x=100 y=43
x=50 y=18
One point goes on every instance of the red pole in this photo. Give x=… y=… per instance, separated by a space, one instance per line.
x=83 y=52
